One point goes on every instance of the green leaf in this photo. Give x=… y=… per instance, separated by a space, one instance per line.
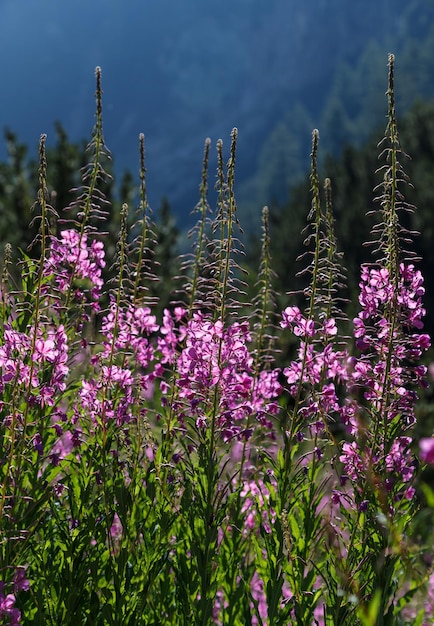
x=428 y=493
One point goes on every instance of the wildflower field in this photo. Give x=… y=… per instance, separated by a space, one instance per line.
x=167 y=469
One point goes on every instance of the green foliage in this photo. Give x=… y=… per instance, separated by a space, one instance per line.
x=157 y=473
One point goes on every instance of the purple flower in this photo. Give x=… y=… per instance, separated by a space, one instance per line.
x=300 y=326
x=72 y=257
x=216 y=360
x=400 y=460
x=354 y=464
x=289 y=316
x=20 y=581
x=329 y=327
x=44 y=350
x=8 y=609
x=363 y=506
x=426 y=447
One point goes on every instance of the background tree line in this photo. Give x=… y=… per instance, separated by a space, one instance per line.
x=353 y=180
x=18 y=193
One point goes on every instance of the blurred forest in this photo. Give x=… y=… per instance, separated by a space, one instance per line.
x=353 y=177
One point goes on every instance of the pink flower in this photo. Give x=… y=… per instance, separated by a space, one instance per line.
x=400 y=460
x=7 y=602
x=426 y=447
x=329 y=327
x=45 y=350
x=290 y=315
x=72 y=256
x=353 y=463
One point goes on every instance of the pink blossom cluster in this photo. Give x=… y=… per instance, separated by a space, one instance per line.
x=318 y=365
x=122 y=365
x=385 y=374
x=210 y=360
x=378 y=386
x=172 y=334
x=74 y=257
x=215 y=361
x=36 y=361
x=127 y=329
x=378 y=296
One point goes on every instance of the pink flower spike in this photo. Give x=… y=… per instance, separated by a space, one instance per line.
x=426 y=447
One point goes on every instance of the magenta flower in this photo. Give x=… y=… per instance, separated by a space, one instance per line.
x=400 y=461
x=20 y=581
x=318 y=368
x=426 y=447
x=353 y=462
x=72 y=256
x=290 y=316
x=299 y=325
x=216 y=361
x=44 y=350
x=128 y=330
x=384 y=376
x=8 y=609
